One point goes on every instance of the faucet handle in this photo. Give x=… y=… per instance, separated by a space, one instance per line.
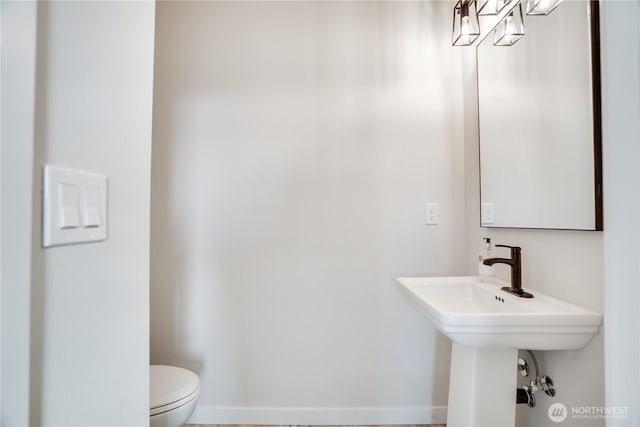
x=515 y=250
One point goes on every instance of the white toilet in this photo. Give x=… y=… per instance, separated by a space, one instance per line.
x=173 y=395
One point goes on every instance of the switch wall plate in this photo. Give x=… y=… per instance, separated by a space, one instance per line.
x=74 y=206
x=487 y=214
x=431 y=213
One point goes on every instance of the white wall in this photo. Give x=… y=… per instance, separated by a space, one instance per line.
x=621 y=109
x=564 y=264
x=89 y=303
x=295 y=144
x=19 y=21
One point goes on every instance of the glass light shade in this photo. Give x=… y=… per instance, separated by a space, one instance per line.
x=465 y=23
x=491 y=7
x=510 y=29
x=541 y=7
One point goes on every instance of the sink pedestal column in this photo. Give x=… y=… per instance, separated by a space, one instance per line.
x=482 y=387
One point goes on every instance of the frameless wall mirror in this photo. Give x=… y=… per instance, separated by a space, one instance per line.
x=539 y=119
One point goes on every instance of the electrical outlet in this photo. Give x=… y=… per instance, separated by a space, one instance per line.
x=431 y=213
x=488 y=213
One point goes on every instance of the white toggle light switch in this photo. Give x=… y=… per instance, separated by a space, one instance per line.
x=68 y=203
x=74 y=207
x=91 y=208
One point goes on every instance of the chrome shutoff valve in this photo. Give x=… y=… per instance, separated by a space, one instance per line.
x=546 y=384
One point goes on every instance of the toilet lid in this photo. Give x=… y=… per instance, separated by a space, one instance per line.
x=170 y=384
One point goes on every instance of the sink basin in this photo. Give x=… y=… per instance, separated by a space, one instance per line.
x=479 y=314
x=487 y=327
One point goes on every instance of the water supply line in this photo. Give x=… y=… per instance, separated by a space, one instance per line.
x=526 y=393
x=535 y=362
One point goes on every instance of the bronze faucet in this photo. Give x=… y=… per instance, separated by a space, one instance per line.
x=515 y=262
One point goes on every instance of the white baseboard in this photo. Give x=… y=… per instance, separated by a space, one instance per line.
x=319 y=416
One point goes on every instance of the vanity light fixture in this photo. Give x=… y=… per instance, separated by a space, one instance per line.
x=510 y=29
x=541 y=7
x=491 y=7
x=465 y=23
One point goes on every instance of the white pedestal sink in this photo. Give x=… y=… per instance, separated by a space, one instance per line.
x=487 y=327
